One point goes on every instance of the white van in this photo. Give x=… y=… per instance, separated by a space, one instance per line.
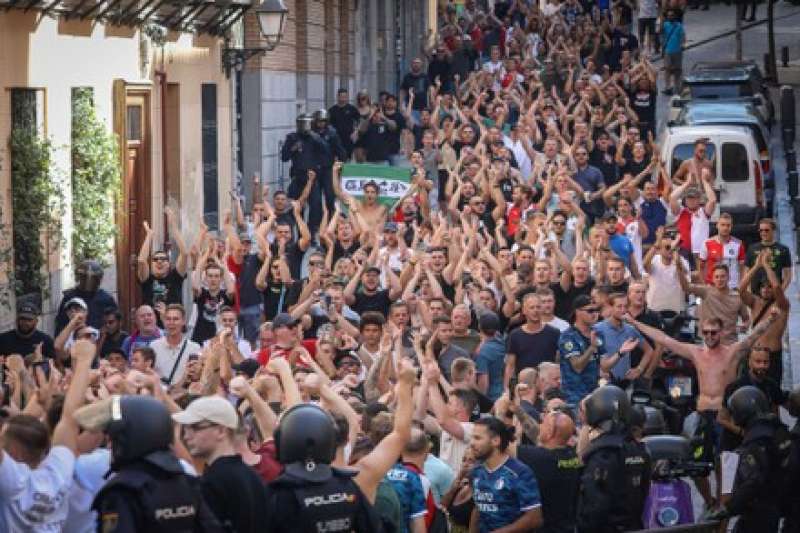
x=739 y=181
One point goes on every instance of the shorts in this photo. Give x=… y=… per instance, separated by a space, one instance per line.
x=712 y=432
x=673 y=62
x=730 y=463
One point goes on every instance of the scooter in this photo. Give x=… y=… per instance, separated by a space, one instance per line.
x=669 y=502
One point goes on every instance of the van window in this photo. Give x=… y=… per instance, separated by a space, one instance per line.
x=685 y=151
x=720 y=90
x=735 y=166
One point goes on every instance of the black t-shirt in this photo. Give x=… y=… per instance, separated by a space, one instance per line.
x=113 y=343
x=344 y=119
x=781 y=258
x=605 y=162
x=246 y=281
x=379 y=302
x=166 y=289
x=278 y=297
x=644 y=103
x=208 y=306
x=378 y=143
x=340 y=251
x=394 y=136
x=419 y=82
x=11 y=342
x=235 y=494
x=648 y=318
x=564 y=298
x=533 y=348
x=558 y=473
x=776 y=396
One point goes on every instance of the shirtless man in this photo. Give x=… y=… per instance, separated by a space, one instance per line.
x=692 y=168
x=371 y=212
x=769 y=293
x=716 y=365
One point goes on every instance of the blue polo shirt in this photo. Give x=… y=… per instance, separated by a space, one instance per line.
x=408 y=486
x=491 y=360
x=622 y=248
x=613 y=338
x=577 y=385
x=654 y=215
x=504 y=494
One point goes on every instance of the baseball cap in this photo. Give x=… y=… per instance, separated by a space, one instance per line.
x=209 y=409
x=341 y=356
x=283 y=320
x=609 y=215
x=372 y=269
x=390 y=226
x=245 y=237
x=489 y=322
x=692 y=192
x=76 y=302
x=26 y=309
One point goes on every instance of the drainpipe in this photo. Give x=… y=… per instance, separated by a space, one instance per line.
x=161 y=77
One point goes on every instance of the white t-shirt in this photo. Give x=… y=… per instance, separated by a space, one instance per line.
x=452 y=450
x=559 y=323
x=664 y=291
x=36 y=500
x=522 y=157
x=166 y=356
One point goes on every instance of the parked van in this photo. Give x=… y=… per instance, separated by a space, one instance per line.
x=739 y=181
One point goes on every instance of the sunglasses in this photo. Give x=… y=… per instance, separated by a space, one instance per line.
x=200 y=426
x=160 y=259
x=710 y=331
x=559 y=223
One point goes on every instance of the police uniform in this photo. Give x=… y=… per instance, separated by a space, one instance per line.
x=763 y=456
x=153 y=495
x=335 y=504
x=791 y=500
x=614 y=484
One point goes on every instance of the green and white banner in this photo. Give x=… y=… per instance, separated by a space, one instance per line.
x=393 y=182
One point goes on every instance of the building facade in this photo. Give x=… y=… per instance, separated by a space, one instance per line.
x=156 y=81
x=327 y=45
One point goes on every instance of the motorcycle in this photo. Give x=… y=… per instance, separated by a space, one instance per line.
x=669 y=502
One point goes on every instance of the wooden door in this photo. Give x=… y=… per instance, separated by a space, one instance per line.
x=133 y=116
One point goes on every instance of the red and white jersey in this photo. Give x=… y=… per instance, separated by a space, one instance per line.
x=693 y=228
x=730 y=254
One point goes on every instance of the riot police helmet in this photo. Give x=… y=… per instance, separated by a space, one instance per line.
x=747 y=404
x=654 y=423
x=321 y=115
x=89 y=275
x=305 y=442
x=139 y=426
x=303 y=122
x=607 y=404
x=638 y=417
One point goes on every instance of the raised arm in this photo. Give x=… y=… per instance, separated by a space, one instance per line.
x=66 y=431
x=143 y=260
x=682 y=349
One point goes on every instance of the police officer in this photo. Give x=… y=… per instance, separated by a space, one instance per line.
x=89 y=275
x=150 y=491
x=317 y=496
x=333 y=150
x=616 y=476
x=791 y=500
x=306 y=150
x=763 y=460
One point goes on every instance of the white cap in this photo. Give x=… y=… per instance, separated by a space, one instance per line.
x=76 y=301
x=209 y=409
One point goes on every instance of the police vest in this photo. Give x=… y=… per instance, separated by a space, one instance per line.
x=169 y=504
x=335 y=505
x=637 y=476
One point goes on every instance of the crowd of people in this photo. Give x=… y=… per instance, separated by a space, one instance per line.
x=460 y=359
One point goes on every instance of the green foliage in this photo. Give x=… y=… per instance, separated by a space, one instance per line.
x=6 y=255
x=96 y=179
x=37 y=203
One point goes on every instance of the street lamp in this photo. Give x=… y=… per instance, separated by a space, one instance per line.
x=271 y=21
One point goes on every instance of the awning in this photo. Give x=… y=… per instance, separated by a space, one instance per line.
x=213 y=17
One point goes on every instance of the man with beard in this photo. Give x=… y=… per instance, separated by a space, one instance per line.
x=89 y=276
x=344 y=117
x=757 y=375
x=580 y=349
x=504 y=489
x=769 y=293
x=719 y=302
x=25 y=339
x=371 y=297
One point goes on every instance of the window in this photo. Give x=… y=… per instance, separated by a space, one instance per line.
x=735 y=165
x=134 y=123
x=28 y=109
x=685 y=151
x=721 y=90
x=210 y=168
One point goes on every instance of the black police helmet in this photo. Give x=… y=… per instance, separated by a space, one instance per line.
x=306 y=434
x=139 y=425
x=638 y=416
x=747 y=404
x=607 y=404
x=320 y=115
x=654 y=423
x=303 y=123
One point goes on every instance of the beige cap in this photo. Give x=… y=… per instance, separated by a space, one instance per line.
x=208 y=409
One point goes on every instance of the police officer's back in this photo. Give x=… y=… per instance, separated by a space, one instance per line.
x=311 y=495
x=150 y=491
x=763 y=460
x=615 y=478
